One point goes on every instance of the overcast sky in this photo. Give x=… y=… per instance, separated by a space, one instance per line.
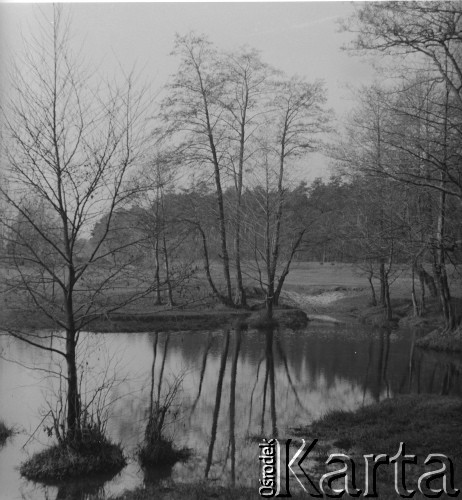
x=297 y=37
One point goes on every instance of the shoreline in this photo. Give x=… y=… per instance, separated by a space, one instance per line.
x=194 y=320
x=382 y=426
x=299 y=305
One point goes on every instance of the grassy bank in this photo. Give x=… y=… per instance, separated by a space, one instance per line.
x=142 y=319
x=335 y=290
x=194 y=311
x=177 y=320
x=442 y=340
x=338 y=292
x=426 y=424
x=174 y=320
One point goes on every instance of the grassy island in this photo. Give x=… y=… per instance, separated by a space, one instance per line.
x=62 y=461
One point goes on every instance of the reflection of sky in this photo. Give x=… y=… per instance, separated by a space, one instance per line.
x=326 y=369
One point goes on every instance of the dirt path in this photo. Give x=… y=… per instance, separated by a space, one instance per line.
x=323 y=306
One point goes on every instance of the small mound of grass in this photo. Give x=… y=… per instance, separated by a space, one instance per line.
x=292 y=318
x=5 y=433
x=261 y=321
x=63 y=461
x=161 y=452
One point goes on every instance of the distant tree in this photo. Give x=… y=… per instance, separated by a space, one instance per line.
x=364 y=154
x=161 y=220
x=297 y=116
x=400 y=136
x=194 y=211
x=330 y=209
x=125 y=242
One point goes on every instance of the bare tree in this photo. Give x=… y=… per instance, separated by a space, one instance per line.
x=297 y=116
x=427 y=38
x=160 y=175
x=247 y=86
x=192 y=110
x=402 y=136
x=431 y=29
x=70 y=143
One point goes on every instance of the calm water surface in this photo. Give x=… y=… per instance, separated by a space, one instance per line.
x=242 y=383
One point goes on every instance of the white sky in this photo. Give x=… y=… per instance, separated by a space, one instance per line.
x=297 y=37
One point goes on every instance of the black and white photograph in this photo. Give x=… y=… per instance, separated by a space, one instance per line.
x=230 y=250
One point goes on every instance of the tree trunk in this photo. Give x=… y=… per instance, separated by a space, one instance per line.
x=273 y=254
x=269 y=302
x=415 y=307
x=221 y=210
x=382 y=284
x=156 y=250
x=157 y=272
x=439 y=267
x=388 y=309
x=241 y=299
x=373 y=295
x=167 y=273
x=269 y=299
x=422 y=295
x=428 y=280
x=439 y=253
x=215 y=291
x=286 y=269
x=74 y=434
x=73 y=397
x=224 y=249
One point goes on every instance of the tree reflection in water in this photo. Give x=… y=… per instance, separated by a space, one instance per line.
x=203 y=367
x=276 y=380
x=232 y=405
x=84 y=489
x=216 y=409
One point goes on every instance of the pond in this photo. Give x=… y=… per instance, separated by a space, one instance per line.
x=236 y=386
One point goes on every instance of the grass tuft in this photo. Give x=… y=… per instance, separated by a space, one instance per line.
x=63 y=461
x=161 y=452
x=5 y=433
